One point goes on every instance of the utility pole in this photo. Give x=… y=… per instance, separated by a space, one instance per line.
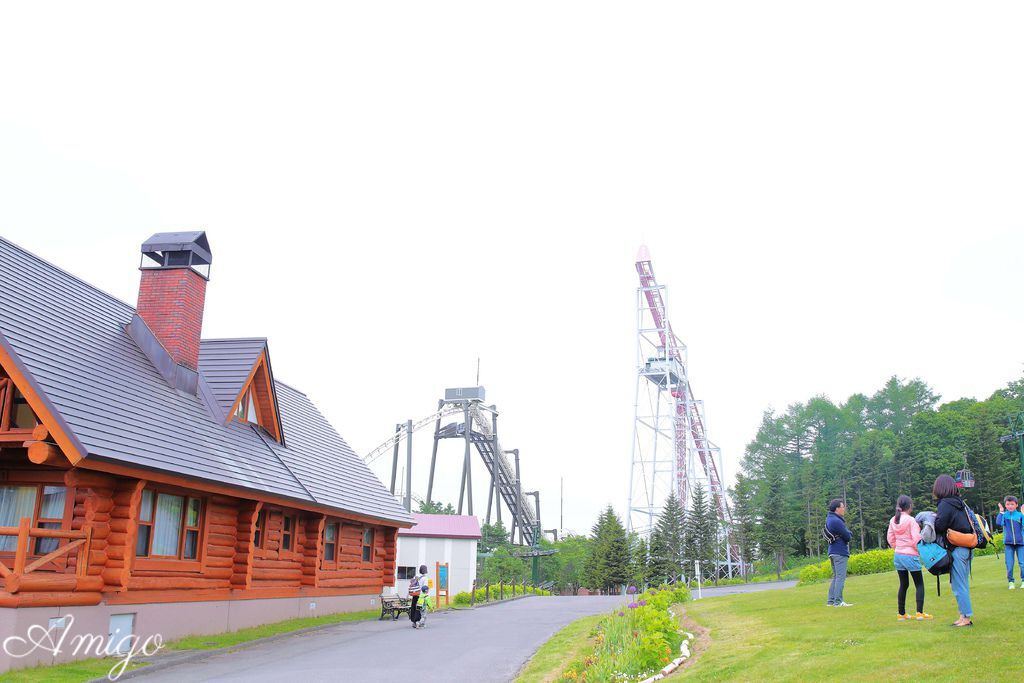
x=1017 y=432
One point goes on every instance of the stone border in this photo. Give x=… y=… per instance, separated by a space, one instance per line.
x=684 y=654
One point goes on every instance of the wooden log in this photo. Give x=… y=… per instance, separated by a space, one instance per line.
x=162 y=583
x=226 y=540
x=74 y=599
x=225 y=518
x=220 y=551
x=260 y=583
x=347 y=583
x=219 y=572
x=275 y=564
x=224 y=531
x=212 y=561
x=85 y=479
x=42 y=453
x=276 y=574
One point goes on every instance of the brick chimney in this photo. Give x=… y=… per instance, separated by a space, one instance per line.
x=175 y=269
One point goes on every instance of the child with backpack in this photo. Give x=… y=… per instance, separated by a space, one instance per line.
x=904 y=534
x=1012 y=521
x=417 y=584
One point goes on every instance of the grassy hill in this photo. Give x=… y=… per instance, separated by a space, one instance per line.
x=790 y=635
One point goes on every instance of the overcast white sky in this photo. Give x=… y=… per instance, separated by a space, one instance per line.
x=832 y=193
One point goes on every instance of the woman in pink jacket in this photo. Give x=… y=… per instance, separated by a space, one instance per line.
x=904 y=533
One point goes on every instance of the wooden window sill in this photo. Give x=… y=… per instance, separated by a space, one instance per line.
x=168 y=565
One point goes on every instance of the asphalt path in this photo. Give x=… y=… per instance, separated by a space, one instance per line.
x=710 y=591
x=489 y=643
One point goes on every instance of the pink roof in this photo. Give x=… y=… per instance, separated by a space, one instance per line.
x=443 y=526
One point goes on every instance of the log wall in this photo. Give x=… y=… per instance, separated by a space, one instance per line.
x=229 y=565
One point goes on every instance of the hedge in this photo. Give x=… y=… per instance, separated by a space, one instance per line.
x=875 y=562
x=462 y=599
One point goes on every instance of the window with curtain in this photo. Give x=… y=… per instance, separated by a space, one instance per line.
x=15 y=502
x=288 y=532
x=51 y=516
x=168 y=526
x=261 y=524
x=367 y=545
x=331 y=542
x=41 y=503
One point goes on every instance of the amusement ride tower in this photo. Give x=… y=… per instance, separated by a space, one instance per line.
x=671 y=451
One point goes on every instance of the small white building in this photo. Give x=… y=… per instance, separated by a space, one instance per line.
x=438 y=538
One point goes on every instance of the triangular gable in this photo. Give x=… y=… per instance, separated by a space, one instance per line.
x=258 y=395
x=19 y=379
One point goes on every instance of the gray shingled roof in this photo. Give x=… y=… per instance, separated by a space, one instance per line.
x=70 y=339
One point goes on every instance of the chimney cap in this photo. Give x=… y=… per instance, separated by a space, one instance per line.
x=194 y=242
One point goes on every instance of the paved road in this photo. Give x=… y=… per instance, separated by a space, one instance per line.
x=485 y=644
x=711 y=591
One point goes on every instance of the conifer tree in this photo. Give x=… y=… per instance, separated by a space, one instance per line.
x=667 y=541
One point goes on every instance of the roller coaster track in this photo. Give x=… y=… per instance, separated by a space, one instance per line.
x=499 y=467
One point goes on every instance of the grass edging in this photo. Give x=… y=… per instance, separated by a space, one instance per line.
x=569 y=642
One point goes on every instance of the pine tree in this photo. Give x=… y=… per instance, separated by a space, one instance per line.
x=667 y=541
x=701 y=532
x=609 y=562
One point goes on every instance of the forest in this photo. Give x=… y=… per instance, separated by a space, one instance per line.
x=868 y=450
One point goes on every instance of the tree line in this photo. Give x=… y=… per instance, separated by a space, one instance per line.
x=867 y=450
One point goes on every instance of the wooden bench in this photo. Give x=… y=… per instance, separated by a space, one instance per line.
x=394 y=606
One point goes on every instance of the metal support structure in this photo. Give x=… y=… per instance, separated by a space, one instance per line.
x=492 y=491
x=671 y=452
x=433 y=453
x=1017 y=432
x=394 y=462
x=477 y=430
x=408 y=466
x=519 y=497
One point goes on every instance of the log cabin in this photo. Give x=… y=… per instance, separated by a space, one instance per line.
x=152 y=481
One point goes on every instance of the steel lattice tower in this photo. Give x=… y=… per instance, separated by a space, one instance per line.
x=671 y=451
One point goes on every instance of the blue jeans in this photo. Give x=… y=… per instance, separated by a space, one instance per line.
x=835 y=589
x=1012 y=551
x=959 y=574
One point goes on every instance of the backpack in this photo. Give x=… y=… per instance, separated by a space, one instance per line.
x=980 y=528
x=936 y=559
x=414 y=586
x=829 y=537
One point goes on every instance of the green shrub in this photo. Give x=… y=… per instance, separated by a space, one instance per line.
x=996 y=546
x=461 y=599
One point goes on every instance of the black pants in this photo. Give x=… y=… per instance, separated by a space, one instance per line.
x=901 y=596
x=414 y=611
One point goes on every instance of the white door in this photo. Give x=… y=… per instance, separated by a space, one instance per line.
x=121 y=627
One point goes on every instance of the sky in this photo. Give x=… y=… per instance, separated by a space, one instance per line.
x=830 y=192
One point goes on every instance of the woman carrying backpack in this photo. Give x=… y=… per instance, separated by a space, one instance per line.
x=904 y=534
x=951 y=515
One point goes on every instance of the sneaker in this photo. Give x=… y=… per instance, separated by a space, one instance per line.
x=1012 y=586
x=921 y=616
x=902 y=617
x=844 y=604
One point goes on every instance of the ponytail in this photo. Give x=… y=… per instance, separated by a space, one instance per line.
x=903 y=504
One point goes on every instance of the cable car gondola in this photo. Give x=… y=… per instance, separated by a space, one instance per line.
x=964 y=479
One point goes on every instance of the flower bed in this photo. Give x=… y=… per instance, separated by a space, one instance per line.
x=635 y=642
x=875 y=562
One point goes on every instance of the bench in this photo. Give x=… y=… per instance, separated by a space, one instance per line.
x=394 y=606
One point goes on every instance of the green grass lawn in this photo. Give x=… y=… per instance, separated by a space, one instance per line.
x=569 y=643
x=790 y=635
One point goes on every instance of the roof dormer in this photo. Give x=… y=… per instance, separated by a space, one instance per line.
x=239 y=374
